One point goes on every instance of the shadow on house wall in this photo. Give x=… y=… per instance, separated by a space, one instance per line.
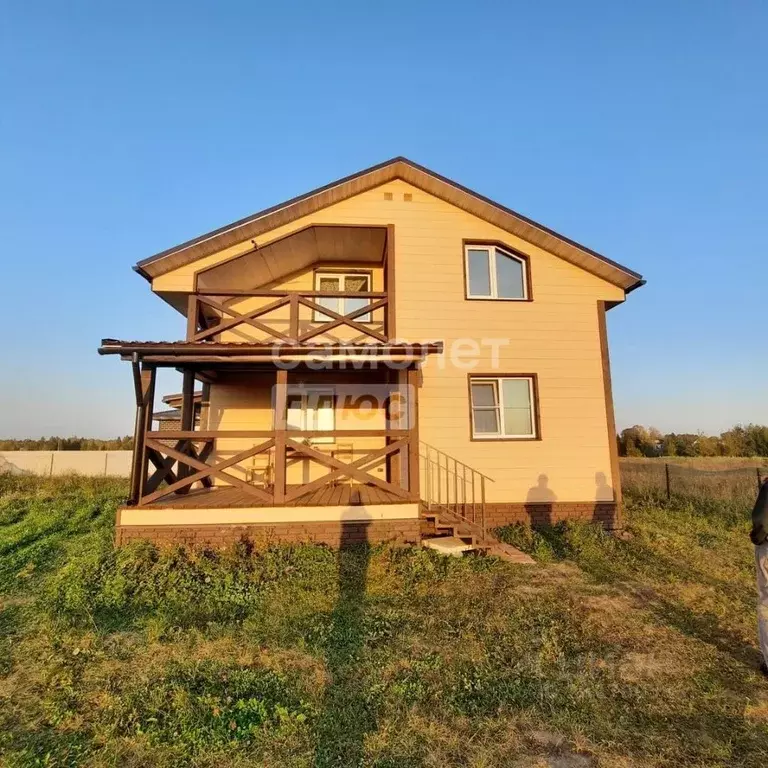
x=539 y=502
x=543 y=509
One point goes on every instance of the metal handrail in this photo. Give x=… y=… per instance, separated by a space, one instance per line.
x=453 y=485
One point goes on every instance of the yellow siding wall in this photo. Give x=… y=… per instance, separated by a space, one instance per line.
x=555 y=336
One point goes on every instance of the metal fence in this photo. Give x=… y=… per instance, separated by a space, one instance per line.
x=680 y=479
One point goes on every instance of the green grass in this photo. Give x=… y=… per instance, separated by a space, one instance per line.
x=610 y=652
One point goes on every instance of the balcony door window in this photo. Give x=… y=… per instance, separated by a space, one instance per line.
x=311 y=409
x=342 y=282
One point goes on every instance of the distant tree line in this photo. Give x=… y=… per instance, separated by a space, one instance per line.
x=749 y=440
x=67 y=444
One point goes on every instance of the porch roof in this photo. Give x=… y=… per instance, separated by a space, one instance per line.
x=177 y=352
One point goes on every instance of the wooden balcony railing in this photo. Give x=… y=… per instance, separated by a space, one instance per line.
x=294 y=317
x=183 y=458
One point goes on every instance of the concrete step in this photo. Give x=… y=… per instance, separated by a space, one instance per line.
x=448 y=545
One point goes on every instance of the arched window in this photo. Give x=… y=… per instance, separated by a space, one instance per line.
x=495 y=273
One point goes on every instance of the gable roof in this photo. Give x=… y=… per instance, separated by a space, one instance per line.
x=419 y=177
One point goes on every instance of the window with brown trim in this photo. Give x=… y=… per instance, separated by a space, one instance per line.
x=503 y=407
x=493 y=272
x=342 y=282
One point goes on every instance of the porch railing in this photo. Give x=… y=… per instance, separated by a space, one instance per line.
x=295 y=317
x=449 y=484
x=179 y=459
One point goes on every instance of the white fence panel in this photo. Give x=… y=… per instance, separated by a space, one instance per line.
x=52 y=463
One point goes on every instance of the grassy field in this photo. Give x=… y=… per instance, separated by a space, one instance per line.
x=716 y=477
x=609 y=652
x=699 y=462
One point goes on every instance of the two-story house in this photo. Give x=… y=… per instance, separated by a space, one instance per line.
x=388 y=357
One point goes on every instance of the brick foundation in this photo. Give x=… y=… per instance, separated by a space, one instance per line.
x=334 y=534
x=605 y=513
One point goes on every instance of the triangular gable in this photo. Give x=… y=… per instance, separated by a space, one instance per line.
x=416 y=175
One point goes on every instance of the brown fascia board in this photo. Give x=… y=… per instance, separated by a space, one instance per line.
x=233 y=349
x=140 y=267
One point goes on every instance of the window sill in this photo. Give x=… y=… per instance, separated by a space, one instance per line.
x=493 y=298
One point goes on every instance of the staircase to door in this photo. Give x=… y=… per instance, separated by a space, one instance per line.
x=453 y=508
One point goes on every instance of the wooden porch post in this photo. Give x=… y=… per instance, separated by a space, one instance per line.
x=389 y=282
x=413 y=379
x=193 y=307
x=187 y=419
x=205 y=405
x=281 y=399
x=144 y=382
x=394 y=462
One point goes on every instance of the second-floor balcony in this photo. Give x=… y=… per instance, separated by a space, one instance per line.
x=322 y=284
x=291 y=317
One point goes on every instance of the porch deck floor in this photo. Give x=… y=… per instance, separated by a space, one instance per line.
x=327 y=496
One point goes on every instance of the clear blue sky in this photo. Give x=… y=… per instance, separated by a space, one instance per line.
x=638 y=129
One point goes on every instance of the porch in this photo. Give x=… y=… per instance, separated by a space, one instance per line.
x=262 y=436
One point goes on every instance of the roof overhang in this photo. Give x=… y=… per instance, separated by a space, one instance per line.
x=265 y=264
x=179 y=353
x=251 y=227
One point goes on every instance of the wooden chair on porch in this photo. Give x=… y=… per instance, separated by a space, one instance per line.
x=262 y=471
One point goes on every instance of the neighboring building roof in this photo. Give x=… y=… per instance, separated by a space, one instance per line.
x=177 y=397
x=414 y=174
x=172 y=415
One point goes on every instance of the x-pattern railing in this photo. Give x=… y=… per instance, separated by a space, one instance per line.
x=187 y=458
x=353 y=470
x=209 y=315
x=184 y=464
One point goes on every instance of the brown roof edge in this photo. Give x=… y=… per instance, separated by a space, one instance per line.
x=400 y=159
x=137 y=268
x=520 y=216
x=203 y=348
x=267 y=211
